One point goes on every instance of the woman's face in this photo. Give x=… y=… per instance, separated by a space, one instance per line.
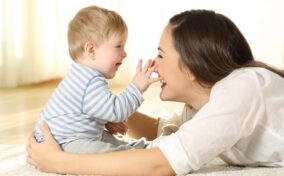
x=175 y=82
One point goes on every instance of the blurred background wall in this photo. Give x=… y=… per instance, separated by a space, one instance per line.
x=33 y=33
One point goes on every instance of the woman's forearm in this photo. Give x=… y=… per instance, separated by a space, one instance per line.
x=132 y=162
x=148 y=129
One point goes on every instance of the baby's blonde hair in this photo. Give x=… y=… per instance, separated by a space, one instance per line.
x=94 y=24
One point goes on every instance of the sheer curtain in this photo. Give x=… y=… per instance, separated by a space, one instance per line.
x=33 y=42
x=30 y=42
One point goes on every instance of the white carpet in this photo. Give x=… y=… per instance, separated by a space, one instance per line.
x=13 y=163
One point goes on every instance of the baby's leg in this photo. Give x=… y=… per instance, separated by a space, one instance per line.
x=92 y=146
x=123 y=142
x=141 y=125
x=108 y=143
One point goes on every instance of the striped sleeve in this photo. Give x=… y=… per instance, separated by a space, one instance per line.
x=100 y=102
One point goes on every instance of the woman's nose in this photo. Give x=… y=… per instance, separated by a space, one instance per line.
x=155 y=62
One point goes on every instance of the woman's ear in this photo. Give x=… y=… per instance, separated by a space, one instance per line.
x=190 y=75
x=89 y=49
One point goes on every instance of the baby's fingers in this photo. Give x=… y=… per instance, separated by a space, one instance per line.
x=147 y=66
x=139 y=65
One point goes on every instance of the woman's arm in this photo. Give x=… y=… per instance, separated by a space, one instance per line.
x=133 y=126
x=47 y=156
x=141 y=125
x=131 y=162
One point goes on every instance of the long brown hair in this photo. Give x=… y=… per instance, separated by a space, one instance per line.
x=211 y=45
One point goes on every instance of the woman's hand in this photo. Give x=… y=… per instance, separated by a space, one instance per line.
x=44 y=156
x=47 y=156
x=116 y=128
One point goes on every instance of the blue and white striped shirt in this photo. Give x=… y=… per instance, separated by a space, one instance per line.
x=83 y=103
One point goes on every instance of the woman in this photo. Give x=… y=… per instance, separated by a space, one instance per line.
x=205 y=62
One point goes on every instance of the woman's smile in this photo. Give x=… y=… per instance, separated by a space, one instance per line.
x=163 y=83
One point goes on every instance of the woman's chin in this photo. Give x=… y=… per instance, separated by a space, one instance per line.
x=167 y=96
x=164 y=97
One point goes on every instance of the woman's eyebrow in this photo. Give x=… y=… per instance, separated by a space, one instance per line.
x=160 y=49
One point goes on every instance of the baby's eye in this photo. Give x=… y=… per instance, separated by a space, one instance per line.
x=119 y=46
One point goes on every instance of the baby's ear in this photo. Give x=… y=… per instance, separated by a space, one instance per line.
x=89 y=49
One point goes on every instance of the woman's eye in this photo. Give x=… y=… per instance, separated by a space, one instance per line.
x=160 y=56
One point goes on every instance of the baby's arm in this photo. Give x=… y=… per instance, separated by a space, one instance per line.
x=100 y=102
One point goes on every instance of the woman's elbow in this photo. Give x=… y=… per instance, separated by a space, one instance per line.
x=163 y=171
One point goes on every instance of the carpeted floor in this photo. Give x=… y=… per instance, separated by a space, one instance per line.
x=12 y=163
x=20 y=108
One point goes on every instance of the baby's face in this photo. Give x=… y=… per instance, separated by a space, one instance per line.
x=109 y=55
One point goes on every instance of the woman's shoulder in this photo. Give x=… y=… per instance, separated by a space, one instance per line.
x=248 y=83
x=240 y=83
x=250 y=77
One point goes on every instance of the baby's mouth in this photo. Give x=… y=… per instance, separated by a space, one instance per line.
x=118 y=64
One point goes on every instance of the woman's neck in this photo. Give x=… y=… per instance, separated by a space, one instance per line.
x=199 y=97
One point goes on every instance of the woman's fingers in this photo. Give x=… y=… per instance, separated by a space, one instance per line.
x=45 y=130
x=32 y=139
x=30 y=161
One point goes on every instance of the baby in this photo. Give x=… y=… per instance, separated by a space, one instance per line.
x=82 y=103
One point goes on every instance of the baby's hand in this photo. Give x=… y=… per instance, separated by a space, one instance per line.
x=117 y=128
x=142 y=78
